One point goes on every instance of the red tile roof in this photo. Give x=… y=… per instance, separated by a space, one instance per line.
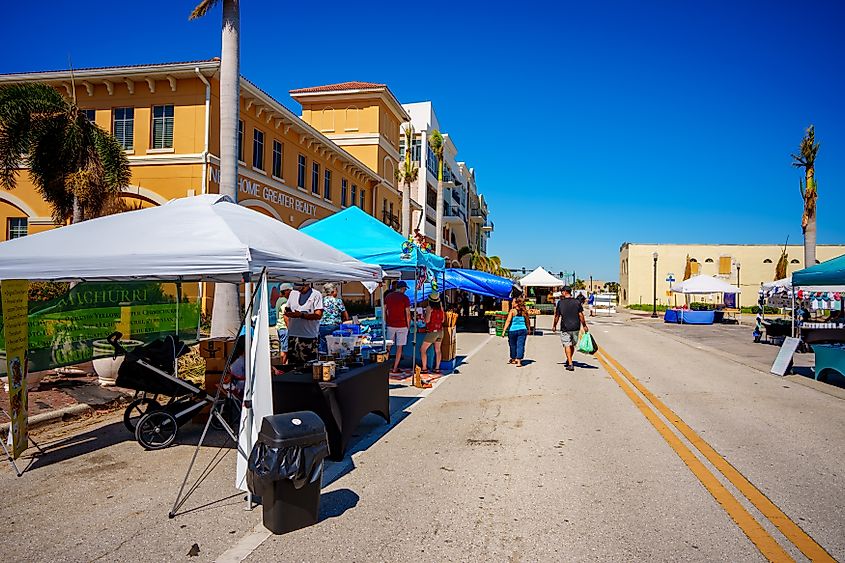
x=339 y=87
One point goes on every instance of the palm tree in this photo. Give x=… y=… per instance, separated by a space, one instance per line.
x=407 y=175
x=688 y=269
x=806 y=159
x=435 y=141
x=780 y=267
x=477 y=261
x=225 y=315
x=76 y=166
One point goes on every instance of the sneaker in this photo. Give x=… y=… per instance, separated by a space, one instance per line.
x=570 y=367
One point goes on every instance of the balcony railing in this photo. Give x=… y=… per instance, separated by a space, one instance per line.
x=454 y=211
x=391 y=220
x=478 y=215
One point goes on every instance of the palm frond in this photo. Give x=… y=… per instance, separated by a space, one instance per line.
x=203 y=8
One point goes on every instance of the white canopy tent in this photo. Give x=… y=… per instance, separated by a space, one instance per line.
x=200 y=238
x=699 y=285
x=540 y=278
x=778 y=285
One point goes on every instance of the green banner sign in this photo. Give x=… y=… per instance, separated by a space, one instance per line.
x=69 y=325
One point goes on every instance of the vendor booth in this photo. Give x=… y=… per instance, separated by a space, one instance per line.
x=699 y=285
x=369 y=240
x=202 y=238
x=822 y=287
x=540 y=278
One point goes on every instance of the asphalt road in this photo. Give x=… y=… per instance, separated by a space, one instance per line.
x=498 y=463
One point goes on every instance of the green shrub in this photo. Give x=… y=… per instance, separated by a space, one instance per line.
x=646 y=307
x=699 y=306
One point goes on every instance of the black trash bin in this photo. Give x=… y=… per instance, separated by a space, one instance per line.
x=286 y=469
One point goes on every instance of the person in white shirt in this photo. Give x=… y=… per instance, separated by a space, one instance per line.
x=303 y=313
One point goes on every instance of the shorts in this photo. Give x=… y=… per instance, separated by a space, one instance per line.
x=399 y=335
x=283 y=339
x=569 y=337
x=302 y=349
x=432 y=337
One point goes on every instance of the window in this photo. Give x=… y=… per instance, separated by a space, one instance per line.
x=391 y=209
x=315 y=178
x=277 y=159
x=163 y=127
x=300 y=172
x=258 y=149
x=343 y=189
x=89 y=114
x=16 y=227
x=353 y=196
x=240 y=140
x=794 y=261
x=327 y=184
x=724 y=265
x=363 y=196
x=124 y=127
x=708 y=261
x=767 y=261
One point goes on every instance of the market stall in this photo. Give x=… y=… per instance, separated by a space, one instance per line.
x=369 y=240
x=823 y=287
x=698 y=285
x=202 y=238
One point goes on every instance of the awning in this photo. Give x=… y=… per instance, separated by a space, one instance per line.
x=200 y=238
x=540 y=278
x=704 y=284
x=827 y=276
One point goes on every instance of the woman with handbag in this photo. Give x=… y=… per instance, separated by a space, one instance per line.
x=516 y=330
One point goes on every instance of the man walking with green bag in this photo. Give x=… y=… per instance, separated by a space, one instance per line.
x=570 y=312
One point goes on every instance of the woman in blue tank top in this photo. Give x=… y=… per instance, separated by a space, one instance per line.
x=516 y=329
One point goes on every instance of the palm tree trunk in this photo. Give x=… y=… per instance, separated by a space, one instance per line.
x=406 y=210
x=438 y=247
x=810 y=209
x=810 y=241
x=225 y=315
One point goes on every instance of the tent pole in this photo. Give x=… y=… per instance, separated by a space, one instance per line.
x=215 y=413
x=793 y=312
x=248 y=374
x=384 y=322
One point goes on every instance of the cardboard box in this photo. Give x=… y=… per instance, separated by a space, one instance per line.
x=449 y=345
x=216 y=352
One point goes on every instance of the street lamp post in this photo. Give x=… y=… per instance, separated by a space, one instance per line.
x=654 y=302
x=738 y=295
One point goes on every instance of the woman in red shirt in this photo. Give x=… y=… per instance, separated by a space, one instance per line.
x=434 y=317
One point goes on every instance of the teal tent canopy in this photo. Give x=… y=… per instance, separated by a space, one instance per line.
x=827 y=276
x=367 y=239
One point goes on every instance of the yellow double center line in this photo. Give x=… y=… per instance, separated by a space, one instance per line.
x=764 y=541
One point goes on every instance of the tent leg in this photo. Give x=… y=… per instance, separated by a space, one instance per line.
x=215 y=412
x=248 y=359
x=18 y=472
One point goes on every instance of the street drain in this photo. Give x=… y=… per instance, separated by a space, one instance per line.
x=489 y=442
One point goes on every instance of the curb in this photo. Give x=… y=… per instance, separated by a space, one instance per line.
x=47 y=417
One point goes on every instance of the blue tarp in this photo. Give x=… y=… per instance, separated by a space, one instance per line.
x=829 y=273
x=473 y=281
x=367 y=239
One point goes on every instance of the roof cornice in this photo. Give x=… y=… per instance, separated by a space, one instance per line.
x=113 y=71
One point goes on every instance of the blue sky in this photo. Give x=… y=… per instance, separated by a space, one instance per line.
x=589 y=124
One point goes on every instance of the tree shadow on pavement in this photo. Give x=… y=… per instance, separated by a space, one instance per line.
x=335 y=503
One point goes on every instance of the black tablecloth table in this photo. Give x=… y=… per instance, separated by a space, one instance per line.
x=341 y=403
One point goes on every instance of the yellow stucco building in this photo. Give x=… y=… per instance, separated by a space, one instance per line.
x=746 y=264
x=165 y=115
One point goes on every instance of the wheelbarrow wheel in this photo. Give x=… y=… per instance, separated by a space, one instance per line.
x=156 y=430
x=137 y=409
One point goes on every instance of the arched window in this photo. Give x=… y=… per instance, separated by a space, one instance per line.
x=389 y=171
x=351 y=119
x=767 y=261
x=707 y=261
x=794 y=261
x=327 y=123
x=693 y=260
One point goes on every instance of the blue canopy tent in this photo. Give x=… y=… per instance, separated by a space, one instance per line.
x=367 y=239
x=472 y=281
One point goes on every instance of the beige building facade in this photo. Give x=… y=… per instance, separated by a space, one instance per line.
x=748 y=265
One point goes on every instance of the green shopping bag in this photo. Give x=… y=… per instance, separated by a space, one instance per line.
x=586 y=344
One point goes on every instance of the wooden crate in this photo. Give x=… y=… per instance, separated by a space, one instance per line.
x=216 y=352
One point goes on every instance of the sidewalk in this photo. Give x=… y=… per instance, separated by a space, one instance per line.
x=67 y=395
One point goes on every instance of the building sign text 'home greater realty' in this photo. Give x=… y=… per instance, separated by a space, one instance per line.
x=271 y=195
